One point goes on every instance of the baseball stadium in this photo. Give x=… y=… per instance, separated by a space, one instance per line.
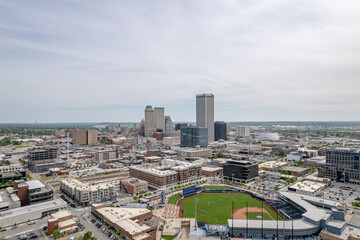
x=246 y=214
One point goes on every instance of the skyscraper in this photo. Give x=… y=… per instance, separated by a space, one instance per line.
x=159 y=119
x=205 y=113
x=150 y=126
x=220 y=130
x=169 y=126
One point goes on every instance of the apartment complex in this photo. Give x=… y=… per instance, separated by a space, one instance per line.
x=84 y=137
x=86 y=194
x=342 y=164
x=155 y=177
x=133 y=186
x=186 y=171
x=31 y=192
x=205 y=113
x=133 y=223
x=170 y=172
x=193 y=136
x=242 y=171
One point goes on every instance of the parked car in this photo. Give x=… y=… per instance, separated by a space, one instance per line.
x=32 y=236
x=44 y=228
x=31 y=222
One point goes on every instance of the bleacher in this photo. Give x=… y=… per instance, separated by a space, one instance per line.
x=189 y=191
x=285 y=208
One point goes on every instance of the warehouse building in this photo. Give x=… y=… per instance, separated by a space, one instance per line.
x=29 y=213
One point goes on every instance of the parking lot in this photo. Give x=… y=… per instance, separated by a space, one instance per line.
x=344 y=193
x=35 y=234
x=98 y=228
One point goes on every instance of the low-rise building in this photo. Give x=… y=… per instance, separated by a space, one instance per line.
x=133 y=223
x=9 y=200
x=29 y=213
x=211 y=171
x=10 y=168
x=271 y=165
x=314 y=161
x=308 y=187
x=85 y=194
x=62 y=221
x=31 y=192
x=296 y=171
x=134 y=186
x=194 y=152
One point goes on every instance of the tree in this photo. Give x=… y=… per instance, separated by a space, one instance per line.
x=7 y=162
x=56 y=234
x=111 y=205
x=88 y=235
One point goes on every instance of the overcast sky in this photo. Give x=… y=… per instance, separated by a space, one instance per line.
x=106 y=60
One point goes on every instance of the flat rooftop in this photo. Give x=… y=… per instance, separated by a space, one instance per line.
x=32 y=208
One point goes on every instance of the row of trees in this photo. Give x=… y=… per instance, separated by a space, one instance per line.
x=87 y=236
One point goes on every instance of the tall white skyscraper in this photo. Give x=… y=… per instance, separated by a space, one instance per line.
x=149 y=121
x=159 y=118
x=205 y=113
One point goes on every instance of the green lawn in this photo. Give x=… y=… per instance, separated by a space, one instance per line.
x=217 y=187
x=22 y=146
x=173 y=199
x=253 y=215
x=216 y=208
x=168 y=237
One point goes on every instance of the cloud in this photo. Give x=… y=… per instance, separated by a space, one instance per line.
x=263 y=60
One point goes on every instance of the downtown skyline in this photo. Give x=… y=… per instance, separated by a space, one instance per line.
x=75 y=61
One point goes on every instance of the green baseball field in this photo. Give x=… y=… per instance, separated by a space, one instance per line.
x=216 y=208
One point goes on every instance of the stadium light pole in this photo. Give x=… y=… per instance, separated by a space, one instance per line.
x=262 y=219
x=232 y=219
x=196 y=201
x=247 y=221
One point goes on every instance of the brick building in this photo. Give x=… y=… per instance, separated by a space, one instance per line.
x=31 y=192
x=342 y=164
x=85 y=137
x=154 y=177
x=134 y=186
x=133 y=223
x=62 y=221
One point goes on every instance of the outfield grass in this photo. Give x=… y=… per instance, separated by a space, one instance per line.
x=253 y=215
x=168 y=237
x=173 y=199
x=216 y=208
x=217 y=187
